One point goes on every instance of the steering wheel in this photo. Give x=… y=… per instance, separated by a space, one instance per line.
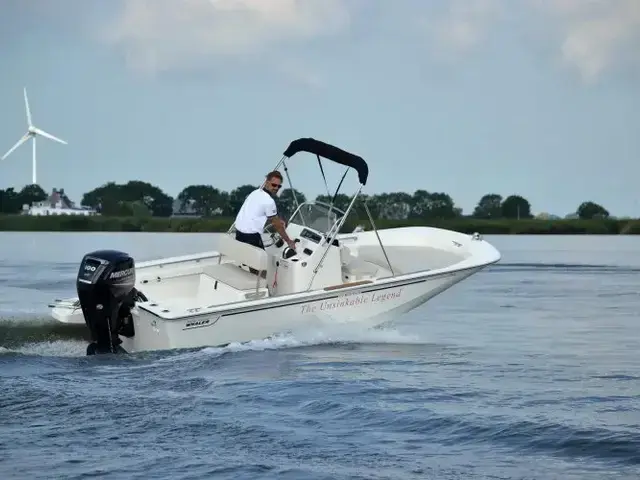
x=273 y=235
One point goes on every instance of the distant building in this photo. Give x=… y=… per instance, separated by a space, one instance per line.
x=187 y=211
x=57 y=204
x=547 y=216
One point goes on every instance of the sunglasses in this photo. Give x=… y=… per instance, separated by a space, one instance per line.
x=276 y=185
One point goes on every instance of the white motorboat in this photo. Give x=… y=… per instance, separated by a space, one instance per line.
x=212 y=298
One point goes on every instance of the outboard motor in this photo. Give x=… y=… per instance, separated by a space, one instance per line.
x=106 y=291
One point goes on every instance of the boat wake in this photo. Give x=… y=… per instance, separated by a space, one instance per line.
x=339 y=335
x=34 y=335
x=49 y=338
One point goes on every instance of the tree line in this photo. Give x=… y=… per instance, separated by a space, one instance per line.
x=141 y=199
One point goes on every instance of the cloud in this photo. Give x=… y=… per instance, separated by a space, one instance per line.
x=592 y=36
x=464 y=25
x=596 y=34
x=161 y=35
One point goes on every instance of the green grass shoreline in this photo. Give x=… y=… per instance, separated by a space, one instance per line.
x=24 y=223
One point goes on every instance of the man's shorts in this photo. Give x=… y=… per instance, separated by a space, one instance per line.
x=254 y=239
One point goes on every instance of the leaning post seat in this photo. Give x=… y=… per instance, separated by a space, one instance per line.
x=243 y=253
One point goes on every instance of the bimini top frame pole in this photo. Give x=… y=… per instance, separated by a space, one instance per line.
x=331 y=235
x=366 y=207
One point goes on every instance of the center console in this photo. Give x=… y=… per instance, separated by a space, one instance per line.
x=290 y=271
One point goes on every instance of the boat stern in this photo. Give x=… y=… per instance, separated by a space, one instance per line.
x=67 y=311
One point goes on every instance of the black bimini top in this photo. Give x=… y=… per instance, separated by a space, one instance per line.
x=329 y=152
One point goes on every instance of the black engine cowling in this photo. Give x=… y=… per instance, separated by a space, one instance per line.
x=106 y=291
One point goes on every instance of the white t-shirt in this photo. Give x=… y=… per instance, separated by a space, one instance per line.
x=255 y=210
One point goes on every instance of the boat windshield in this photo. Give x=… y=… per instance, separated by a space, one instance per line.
x=317 y=215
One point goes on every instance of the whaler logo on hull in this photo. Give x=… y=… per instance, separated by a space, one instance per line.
x=200 y=322
x=351 y=301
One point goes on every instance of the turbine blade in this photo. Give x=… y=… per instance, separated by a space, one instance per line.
x=49 y=136
x=26 y=104
x=20 y=142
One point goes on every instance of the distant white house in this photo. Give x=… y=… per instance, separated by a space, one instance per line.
x=57 y=204
x=189 y=209
x=186 y=210
x=547 y=216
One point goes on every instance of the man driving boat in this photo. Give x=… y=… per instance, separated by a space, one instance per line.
x=258 y=207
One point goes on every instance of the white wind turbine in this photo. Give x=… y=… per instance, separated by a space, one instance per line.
x=32 y=132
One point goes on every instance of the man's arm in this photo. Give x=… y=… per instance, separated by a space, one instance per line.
x=278 y=223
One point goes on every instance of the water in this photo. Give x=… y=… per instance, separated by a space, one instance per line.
x=530 y=369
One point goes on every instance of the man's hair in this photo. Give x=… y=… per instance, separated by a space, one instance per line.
x=276 y=174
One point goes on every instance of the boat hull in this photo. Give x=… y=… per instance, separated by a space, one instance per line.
x=368 y=306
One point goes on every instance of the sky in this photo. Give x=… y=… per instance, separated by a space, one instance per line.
x=539 y=98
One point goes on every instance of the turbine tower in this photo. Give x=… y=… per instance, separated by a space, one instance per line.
x=32 y=132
